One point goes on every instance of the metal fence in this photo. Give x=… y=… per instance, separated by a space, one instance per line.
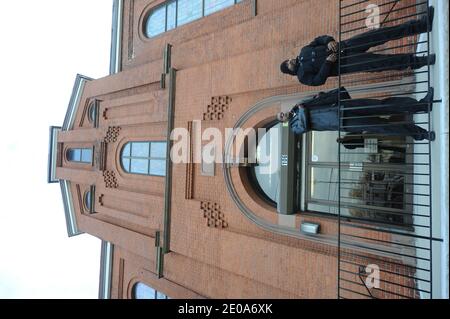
x=385 y=235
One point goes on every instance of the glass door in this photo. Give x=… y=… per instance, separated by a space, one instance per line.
x=373 y=175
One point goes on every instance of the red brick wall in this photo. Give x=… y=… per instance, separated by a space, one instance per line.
x=230 y=54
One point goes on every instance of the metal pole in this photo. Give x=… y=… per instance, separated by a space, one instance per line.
x=429 y=152
x=339 y=155
x=168 y=179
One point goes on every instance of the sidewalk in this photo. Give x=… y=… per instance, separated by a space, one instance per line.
x=439 y=148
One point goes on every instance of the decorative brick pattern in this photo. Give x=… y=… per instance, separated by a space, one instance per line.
x=216 y=110
x=214 y=215
x=100 y=200
x=112 y=134
x=105 y=113
x=110 y=179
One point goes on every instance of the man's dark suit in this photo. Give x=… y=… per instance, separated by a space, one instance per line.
x=321 y=113
x=314 y=69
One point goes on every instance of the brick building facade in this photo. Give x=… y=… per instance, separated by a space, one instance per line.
x=179 y=230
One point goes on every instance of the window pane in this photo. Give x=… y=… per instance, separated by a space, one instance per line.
x=327 y=209
x=189 y=10
x=361 y=190
x=212 y=6
x=156 y=22
x=324 y=187
x=324 y=184
x=267 y=171
x=86 y=155
x=139 y=166
x=140 y=149
x=324 y=147
x=127 y=150
x=126 y=164
x=160 y=295
x=74 y=155
x=171 y=16
x=92 y=112
x=87 y=200
x=158 y=167
x=158 y=150
x=142 y=291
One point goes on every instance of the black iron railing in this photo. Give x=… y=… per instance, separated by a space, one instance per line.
x=385 y=231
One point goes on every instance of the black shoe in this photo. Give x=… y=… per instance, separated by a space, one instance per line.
x=422 y=61
x=427 y=20
x=431 y=136
x=429 y=98
x=432 y=59
x=431 y=17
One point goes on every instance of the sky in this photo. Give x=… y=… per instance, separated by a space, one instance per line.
x=45 y=44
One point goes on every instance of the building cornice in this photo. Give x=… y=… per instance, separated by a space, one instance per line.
x=52 y=154
x=69 y=211
x=74 y=102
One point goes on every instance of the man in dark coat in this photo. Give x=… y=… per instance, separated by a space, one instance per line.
x=360 y=116
x=318 y=60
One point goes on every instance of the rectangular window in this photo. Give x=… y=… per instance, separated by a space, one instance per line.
x=189 y=10
x=171 y=16
x=74 y=155
x=212 y=6
x=80 y=155
x=140 y=149
x=158 y=150
x=86 y=155
x=157 y=167
x=368 y=191
x=139 y=166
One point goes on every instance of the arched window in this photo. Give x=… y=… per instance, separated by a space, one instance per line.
x=88 y=200
x=145 y=158
x=178 y=12
x=79 y=155
x=142 y=291
x=93 y=111
x=301 y=173
x=276 y=175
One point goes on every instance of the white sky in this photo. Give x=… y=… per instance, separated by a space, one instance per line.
x=44 y=44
